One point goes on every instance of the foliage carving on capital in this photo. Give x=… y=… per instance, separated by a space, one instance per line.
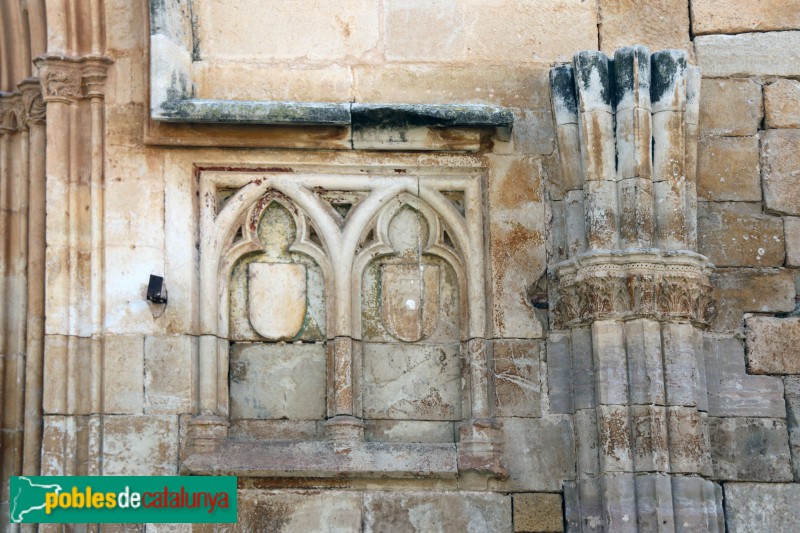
x=10 y=112
x=634 y=290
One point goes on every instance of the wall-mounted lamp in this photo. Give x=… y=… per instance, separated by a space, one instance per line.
x=156 y=290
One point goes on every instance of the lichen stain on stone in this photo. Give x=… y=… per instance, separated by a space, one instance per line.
x=615 y=436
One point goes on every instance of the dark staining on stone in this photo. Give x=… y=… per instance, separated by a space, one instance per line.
x=404 y=116
x=179 y=89
x=247 y=112
x=562 y=84
x=158 y=10
x=666 y=67
x=626 y=62
x=587 y=62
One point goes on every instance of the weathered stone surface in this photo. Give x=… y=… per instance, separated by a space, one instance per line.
x=418 y=511
x=792 y=385
x=278 y=381
x=307 y=510
x=780 y=161
x=168 y=374
x=479 y=31
x=516 y=245
x=730 y=107
x=411 y=382
x=772 y=345
x=559 y=373
x=140 y=445
x=745 y=290
x=524 y=90
x=791 y=229
x=751 y=507
x=739 y=234
x=349 y=31
x=750 y=449
x=123 y=383
x=225 y=80
x=517 y=388
x=730 y=16
x=532 y=471
x=409 y=431
x=658 y=25
x=537 y=512
x=749 y=54
x=731 y=390
x=782 y=104
x=728 y=169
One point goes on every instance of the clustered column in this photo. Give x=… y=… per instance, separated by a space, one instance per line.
x=632 y=295
x=73 y=195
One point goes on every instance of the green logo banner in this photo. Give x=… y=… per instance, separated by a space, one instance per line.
x=122 y=499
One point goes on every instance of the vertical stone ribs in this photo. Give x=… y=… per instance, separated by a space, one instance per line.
x=632 y=295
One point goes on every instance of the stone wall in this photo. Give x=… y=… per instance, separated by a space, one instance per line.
x=487 y=396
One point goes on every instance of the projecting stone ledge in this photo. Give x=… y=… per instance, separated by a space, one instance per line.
x=250 y=112
x=323 y=459
x=372 y=126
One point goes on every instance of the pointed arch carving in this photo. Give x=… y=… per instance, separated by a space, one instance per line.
x=342 y=224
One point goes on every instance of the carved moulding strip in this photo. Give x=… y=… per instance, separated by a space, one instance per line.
x=626 y=285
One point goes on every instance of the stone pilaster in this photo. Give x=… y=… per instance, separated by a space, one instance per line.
x=632 y=296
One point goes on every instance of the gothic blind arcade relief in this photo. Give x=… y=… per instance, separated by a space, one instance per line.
x=345 y=325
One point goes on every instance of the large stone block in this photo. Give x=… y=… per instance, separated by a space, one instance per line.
x=782 y=103
x=168 y=374
x=732 y=16
x=123 y=380
x=780 y=171
x=278 y=381
x=752 y=507
x=281 y=30
x=659 y=25
x=731 y=390
x=538 y=512
x=517 y=386
x=739 y=234
x=750 y=449
x=425 y=511
x=749 y=54
x=728 y=170
x=298 y=510
x=738 y=291
x=523 y=454
x=730 y=107
x=144 y=445
x=404 y=381
x=487 y=31
x=772 y=345
x=286 y=82
x=516 y=245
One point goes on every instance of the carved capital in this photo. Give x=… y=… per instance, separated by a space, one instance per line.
x=626 y=285
x=10 y=112
x=69 y=79
x=33 y=106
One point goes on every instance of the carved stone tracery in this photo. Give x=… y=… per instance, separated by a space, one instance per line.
x=399 y=265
